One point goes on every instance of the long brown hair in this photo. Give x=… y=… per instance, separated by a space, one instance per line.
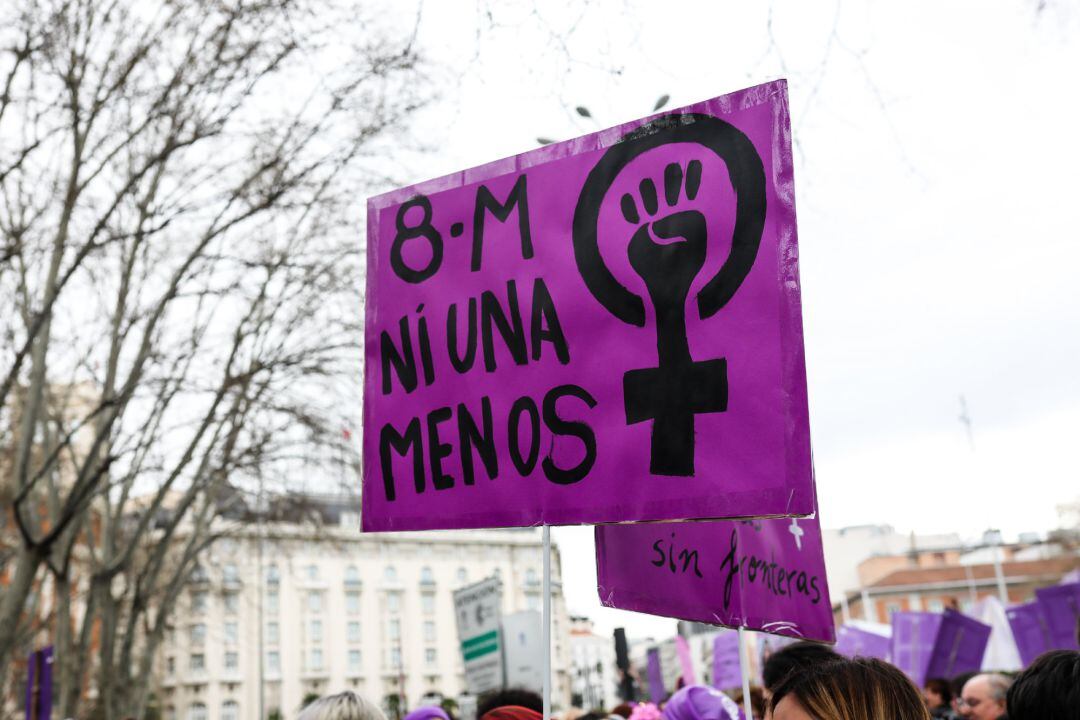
x=859 y=689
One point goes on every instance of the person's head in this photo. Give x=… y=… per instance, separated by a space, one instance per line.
x=511 y=712
x=796 y=656
x=519 y=697
x=757 y=700
x=859 y=689
x=1049 y=689
x=700 y=702
x=428 y=712
x=983 y=697
x=623 y=710
x=343 y=706
x=937 y=693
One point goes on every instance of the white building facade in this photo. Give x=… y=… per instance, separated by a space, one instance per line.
x=594 y=677
x=340 y=610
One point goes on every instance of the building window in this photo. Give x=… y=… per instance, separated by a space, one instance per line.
x=429 y=656
x=314 y=601
x=272 y=633
x=429 y=631
x=232 y=633
x=199 y=600
x=462 y=575
x=198 y=574
x=354 y=661
x=315 y=659
x=393 y=602
x=272 y=602
x=532 y=602
x=426 y=576
x=890 y=608
x=497 y=573
x=273 y=662
x=393 y=629
x=273 y=577
x=395 y=658
x=390 y=573
x=530 y=576
x=230 y=710
x=197 y=712
x=232 y=603
x=315 y=634
x=352 y=575
x=352 y=602
x=232 y=660
x=170 y=666
x=935 y=605
x=198 y=662
x=230 y=574
x=312 y=572
x=198 y=634
x=354 y=631
x=427 y=603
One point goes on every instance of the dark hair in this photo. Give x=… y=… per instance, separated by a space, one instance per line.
x=796 y=656
x=940 y=686
x=959 y=681
x=622 y=710
x=509 y=696
x=757 y=700
x=859 y=689
x=1049 y=689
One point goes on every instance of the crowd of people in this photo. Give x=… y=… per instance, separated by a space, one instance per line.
x=805 y=681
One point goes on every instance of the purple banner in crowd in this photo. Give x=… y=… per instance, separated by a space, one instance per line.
x=766 y=575
x=856 y=642
x=726 y=662
x=912 y=642
x=657 y=693
x=39 y=684
x=682 y=649
x=1030 y=630
x=959 y=646
x=601 y=330
x=1061 y=606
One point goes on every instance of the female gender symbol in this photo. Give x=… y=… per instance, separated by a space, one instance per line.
x=679 y=388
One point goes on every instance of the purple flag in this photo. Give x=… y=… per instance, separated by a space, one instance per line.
x=656 y=677
x=766 y=575
x=912 y=642
x=959 y=646
x=515 y=370
x=856 y=642
x=1030 y=630
x=682 y=648
x=39 y=684
x=726 y=661
x=1061 y=606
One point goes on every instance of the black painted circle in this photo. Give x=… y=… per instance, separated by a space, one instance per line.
x=747 y=178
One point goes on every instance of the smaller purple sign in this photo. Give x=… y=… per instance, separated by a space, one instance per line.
x=39 y=684
x=1029 y=629
x=766 y=575
x=656 y=677
x=727 y=672
x=685 y=661
x=1061 y=606
x=856 y=642
x=959 y=646
x=913 y=635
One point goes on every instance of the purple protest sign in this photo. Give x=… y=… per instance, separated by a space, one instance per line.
x=39 y=684
x=727 y=672
x=682 y=649
x=656 y=677
x=912 y=642
x=766 y=575
x=1061 y=606
x=856 y=642
x=547 y=335
x=1030 y=630
x=959 y=646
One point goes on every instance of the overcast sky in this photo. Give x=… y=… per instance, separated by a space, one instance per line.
x=936 y=175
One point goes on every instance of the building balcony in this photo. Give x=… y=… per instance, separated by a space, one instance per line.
x=316 y=673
